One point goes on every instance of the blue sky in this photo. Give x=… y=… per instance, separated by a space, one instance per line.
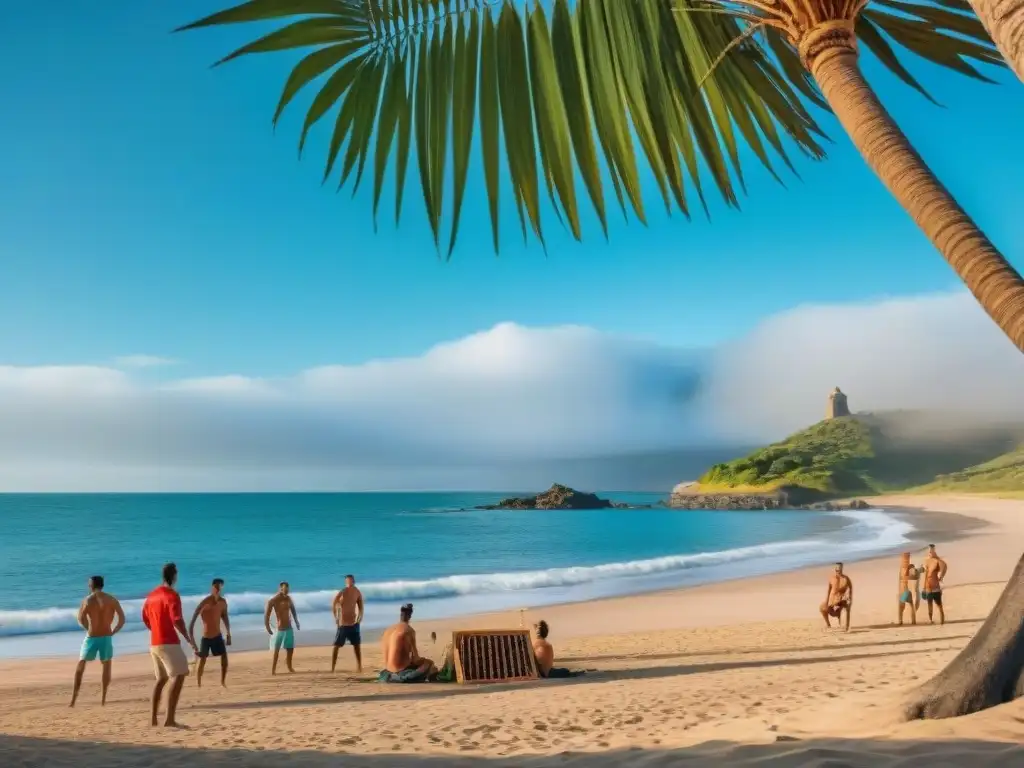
x=147 y=207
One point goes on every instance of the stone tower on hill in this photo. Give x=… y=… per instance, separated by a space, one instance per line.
x=837 y=405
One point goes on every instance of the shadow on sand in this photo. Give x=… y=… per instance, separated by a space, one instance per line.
x=758 y=651
x=26 y=752
x=429 y=691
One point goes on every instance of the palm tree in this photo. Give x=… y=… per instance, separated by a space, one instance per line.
x=691 y=80
x=1004 y=21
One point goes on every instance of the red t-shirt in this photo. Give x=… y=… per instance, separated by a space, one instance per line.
x=161 y=609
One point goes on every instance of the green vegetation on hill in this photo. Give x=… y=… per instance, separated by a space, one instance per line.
x=866 y=453
x=1000 y=475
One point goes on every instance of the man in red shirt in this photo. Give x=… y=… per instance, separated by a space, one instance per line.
x=161 y=613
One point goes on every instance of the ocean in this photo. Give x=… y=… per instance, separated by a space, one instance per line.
x=433 y=549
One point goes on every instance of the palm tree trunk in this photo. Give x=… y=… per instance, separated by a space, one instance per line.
x=989 y=671
x=994 y=282
x=1004 y=22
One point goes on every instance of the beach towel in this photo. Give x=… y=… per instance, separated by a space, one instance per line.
x=557 y=673
x=408 y=675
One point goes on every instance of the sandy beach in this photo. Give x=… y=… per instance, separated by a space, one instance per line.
x=737 y=673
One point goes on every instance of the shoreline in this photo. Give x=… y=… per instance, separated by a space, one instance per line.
x=744 y=668
x=929 y=526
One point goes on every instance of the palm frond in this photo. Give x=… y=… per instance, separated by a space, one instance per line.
x=562 y=94
x=569 y=92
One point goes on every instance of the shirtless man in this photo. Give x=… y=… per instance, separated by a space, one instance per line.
x=542 y=649
x=934 y=573
x=213 y=609
x=402 y=660
x=348 y=614
x=839 y=598
x=96 y=617
x=907 y=586
x=544 y=652
x=284 y=609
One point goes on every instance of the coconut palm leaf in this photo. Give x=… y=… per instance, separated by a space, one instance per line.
x=571 y=98
x=563 y=95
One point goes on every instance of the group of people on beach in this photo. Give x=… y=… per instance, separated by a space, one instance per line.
x=839 y=597
x=102 y=617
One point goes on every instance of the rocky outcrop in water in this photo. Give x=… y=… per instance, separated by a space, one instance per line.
x=556 y=497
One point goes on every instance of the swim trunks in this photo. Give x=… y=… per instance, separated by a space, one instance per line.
x=283 y=638
x=933 y=597
x=411 y=674
x=837 y=608
x=97 y=647
x=168 y=661
x=907 y=596
x=347 y=634
x=212 y=646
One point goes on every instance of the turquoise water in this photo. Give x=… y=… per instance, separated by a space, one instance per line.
x=431 y=548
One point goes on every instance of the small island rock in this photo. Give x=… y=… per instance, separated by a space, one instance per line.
x=556 y=497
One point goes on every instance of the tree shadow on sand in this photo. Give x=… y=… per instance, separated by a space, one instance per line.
x=28 y=752
x=756 y=651
x=430 y=691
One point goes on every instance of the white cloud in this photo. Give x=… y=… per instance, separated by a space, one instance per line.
x=143 y=361
x=509 y=393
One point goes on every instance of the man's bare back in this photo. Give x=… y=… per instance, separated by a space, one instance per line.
x=545 y=654
x=398 y=644
x=99 y=610
x=281 y=605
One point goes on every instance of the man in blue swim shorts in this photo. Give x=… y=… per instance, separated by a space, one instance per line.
x=283 y=608
x=96 y=615
x=907 y=583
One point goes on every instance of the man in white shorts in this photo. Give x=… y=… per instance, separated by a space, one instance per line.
x=161 y=613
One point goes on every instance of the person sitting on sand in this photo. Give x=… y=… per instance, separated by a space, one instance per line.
x=934 y=573
x=545 y=654
x=213 y=609
x=839 y=598
x=907 y=586
x=283 y=608
x=96 y=617
x=402 y=660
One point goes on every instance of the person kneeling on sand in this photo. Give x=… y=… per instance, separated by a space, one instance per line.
x=838 y=598
x=402 y=660
x=545 y=654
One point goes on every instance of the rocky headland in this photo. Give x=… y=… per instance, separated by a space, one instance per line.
x=690 y=496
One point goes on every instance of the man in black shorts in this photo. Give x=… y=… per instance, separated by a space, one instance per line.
x=348 y=612
x=213 y=609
